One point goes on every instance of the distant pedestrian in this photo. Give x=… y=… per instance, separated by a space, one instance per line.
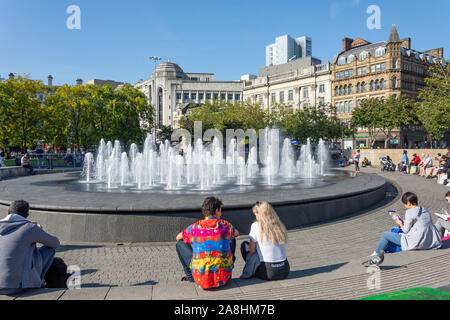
x=40 y=156
x=2 y=156
x=356 y=159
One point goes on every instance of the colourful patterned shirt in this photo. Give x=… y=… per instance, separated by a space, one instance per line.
x=212 y=260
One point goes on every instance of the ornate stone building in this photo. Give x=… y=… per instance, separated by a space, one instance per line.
x=300 y=83
x=365 y=70
x=176 y=91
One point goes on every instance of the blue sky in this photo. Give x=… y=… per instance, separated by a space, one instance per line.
x=227 y=38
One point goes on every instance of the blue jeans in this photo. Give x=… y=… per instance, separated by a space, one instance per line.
x=185 y=254
x=387 y=238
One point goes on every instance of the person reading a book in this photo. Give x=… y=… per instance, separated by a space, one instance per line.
x=418 y=230
x=443 y=222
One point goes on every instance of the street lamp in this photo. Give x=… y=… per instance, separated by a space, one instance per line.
x=155 y=103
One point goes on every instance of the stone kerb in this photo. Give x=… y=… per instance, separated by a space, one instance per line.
x=10 y=172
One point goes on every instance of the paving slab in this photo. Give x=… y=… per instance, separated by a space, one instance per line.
x=42 y=294
x=85 y=294
x=130 y=293
x=174 y=290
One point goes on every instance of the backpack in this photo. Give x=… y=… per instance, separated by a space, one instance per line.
x=56 y=276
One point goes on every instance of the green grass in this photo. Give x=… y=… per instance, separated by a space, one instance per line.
x=12 y=162
x=413 y=294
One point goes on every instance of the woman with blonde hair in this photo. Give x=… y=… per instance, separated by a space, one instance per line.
x=265 y=254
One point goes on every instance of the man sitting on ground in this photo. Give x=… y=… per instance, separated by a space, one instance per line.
x=206 y=248
x=22 y=264
x=442 y=225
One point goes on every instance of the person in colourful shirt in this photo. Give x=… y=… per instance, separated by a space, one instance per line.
x=206 y=248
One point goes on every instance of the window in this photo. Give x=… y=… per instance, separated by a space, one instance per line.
x=394 y=82
x=342 y=61
x=336 y=91
x=379 y=52
x=363 y=87
x=350 y=73
x=291 y=95
x=351 y=106
x=346 y=73
x=178 y=96
x=378 y=67
x=364 y=70
x=342 y=74
x=383 y=66
x=383 y=84
x=193 y=96
x=358 y=88
x=215 y=96
x=337 y=76
x=345 y=89
x=237 y=97
x=342 y=107
x=201 y=96
x=358 y=103
x=260 y=99
x=372 y=85
x=321 y=101
x=359 y=71
x=337 y=107
x=322 y=88
x=346 y=106
x=341 y=89
x=377 y=85
x=281 y=96
x=350 y=89
x=372 y=68
x=222 y=96
x=350 y=58
x=305 y=92
x=394 y=64
x=208 y=96
x=274 y=99
x=230 y=96
x=362 y=55
x=185 y=97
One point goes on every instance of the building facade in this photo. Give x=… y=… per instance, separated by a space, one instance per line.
x=171 y=90
x=287 y=49
x=365 y=70
x=299 y=84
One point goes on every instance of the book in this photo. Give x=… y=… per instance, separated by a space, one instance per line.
x=442 y=216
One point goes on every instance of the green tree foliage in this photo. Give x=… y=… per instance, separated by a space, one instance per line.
x=20 y=112
x=312 y=122
x=82 y=115
x=433 y=110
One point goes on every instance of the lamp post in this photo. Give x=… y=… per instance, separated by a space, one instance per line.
x=155 y=103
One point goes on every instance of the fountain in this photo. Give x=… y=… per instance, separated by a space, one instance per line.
x=203 y=167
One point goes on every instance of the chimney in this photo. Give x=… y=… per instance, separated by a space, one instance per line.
x=11 y=76
x=79 y=82
x=346 y=44
x=50 y=80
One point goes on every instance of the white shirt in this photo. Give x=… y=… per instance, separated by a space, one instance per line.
x=267 y=251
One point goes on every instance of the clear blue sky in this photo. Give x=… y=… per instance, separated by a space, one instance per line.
x=225 y=37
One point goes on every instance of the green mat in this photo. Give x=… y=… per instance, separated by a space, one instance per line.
x=413 y=294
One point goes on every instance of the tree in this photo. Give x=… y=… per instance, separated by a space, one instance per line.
x=395 y=113
x=21 y=112
x=367 y=116
x=433 y=108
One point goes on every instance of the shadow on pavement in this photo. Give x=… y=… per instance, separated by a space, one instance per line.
x=69 y=248
x=311 y=272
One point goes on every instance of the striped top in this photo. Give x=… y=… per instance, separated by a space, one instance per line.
x=212 y=260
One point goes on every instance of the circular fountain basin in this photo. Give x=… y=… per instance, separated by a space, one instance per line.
x=75 y=214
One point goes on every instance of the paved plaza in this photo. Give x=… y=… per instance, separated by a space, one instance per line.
x=325 y=260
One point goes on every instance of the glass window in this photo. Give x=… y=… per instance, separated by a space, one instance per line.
x=208 y=96
x=358 y=88
x=377 y=85
x=363 y=87
x=215 y=96
x=178 y=96
x=378 y=67
x=222 y=96
x=350 y=73
x=194 y=96
x=358 y=103
x=342 y=74
x=291 y=95
x=230 y=96
x=364 y=70
x=350 y=89
x=281 y=96
x=260 y=99
x=346 y=106
x=342 y=91
x=383 y=84
x=337 y=76
x=336 y=91
x=362 y=55
x=372 y=68
x=305 y=92
x=237 y=97
x=383 y=66
x=322 y=88
x=351 y=106
x=201 y=96
x=274 y=98
x=342 y=107
x=372 y=85
x=337 y=107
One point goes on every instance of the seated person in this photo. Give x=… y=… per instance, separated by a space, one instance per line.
x=22 y=264
x=415 y=162
x=434 y=170
x=265 y=255
x=365 y=163
x=25 y=162
x=445 y=166
x=426 y=164
x=206 y=248
x=442 y=225
x=419 y=232
x=405 y=160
